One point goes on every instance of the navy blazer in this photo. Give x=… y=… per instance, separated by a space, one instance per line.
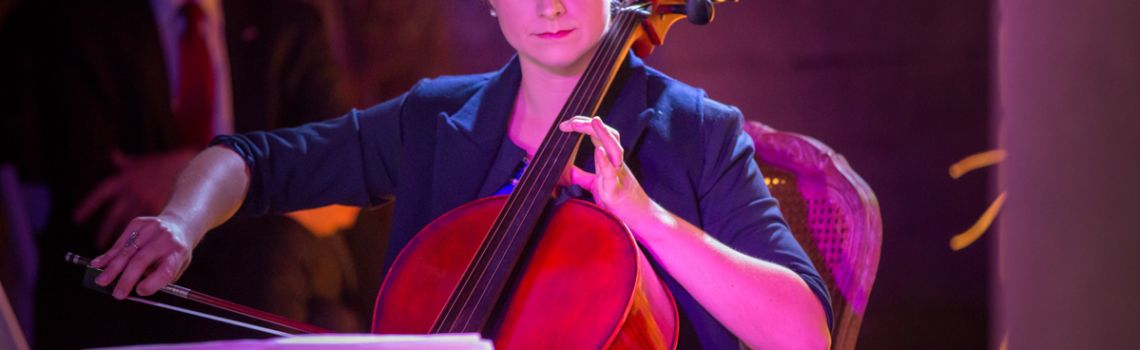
x=442 y=144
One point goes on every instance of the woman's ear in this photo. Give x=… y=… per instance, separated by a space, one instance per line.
x=491 y=7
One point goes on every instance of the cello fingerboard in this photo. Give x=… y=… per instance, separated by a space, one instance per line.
x=481 y=287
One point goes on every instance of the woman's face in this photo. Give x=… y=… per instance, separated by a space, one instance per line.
x=559 y=36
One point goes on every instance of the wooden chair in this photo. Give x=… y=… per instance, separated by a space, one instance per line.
x=833 y=214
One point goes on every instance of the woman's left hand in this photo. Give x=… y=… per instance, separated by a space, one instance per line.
x=613 y=185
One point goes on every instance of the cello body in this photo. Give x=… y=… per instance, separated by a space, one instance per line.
x=584 y=285
x=530 y=274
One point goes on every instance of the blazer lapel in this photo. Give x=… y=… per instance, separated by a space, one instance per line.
x=468 y=141
x=475 y=160
x=629 y=112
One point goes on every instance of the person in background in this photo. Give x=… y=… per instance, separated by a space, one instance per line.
x=106 y=101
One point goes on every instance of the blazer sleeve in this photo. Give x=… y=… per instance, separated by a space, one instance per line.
x=351 y=160
x=736 y=206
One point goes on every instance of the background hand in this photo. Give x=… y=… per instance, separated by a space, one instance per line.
x=141 y=187
x=158 y=247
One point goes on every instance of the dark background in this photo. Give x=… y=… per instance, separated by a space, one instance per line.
x=899 y=87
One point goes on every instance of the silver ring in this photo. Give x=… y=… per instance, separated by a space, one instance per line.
x=131 y=240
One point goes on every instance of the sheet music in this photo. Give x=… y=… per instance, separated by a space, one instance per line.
x=464 y=341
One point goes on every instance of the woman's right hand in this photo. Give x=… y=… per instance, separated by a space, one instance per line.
x=158 y=246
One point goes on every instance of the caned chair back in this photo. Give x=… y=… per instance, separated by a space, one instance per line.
x=832 y=212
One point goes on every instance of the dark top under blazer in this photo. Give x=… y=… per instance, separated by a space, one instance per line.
x=442 y=144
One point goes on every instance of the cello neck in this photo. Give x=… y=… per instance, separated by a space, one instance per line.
x=472 y=303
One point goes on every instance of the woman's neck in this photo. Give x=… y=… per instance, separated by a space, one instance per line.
x=540 y=98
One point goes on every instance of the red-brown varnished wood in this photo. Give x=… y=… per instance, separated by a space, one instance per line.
x=649 y=302
x=586 y=286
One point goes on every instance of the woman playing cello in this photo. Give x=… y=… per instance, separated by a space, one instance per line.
x=670 y=163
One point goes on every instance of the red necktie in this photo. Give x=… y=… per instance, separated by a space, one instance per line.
x=194 y=114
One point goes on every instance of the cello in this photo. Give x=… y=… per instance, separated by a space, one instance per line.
x=529 y=273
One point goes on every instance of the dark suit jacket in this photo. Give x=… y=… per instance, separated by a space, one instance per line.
x=93 y=79
x=442 y=145
x=83 y=78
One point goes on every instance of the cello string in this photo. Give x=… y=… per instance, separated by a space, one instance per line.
x=574 y=107
x=497 y=232
x=616 y=39
x=562 y=141
x=563 y=138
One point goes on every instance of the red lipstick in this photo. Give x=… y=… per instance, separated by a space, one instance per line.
x=555 y=35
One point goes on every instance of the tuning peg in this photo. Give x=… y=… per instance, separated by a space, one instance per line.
x=699 y=12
